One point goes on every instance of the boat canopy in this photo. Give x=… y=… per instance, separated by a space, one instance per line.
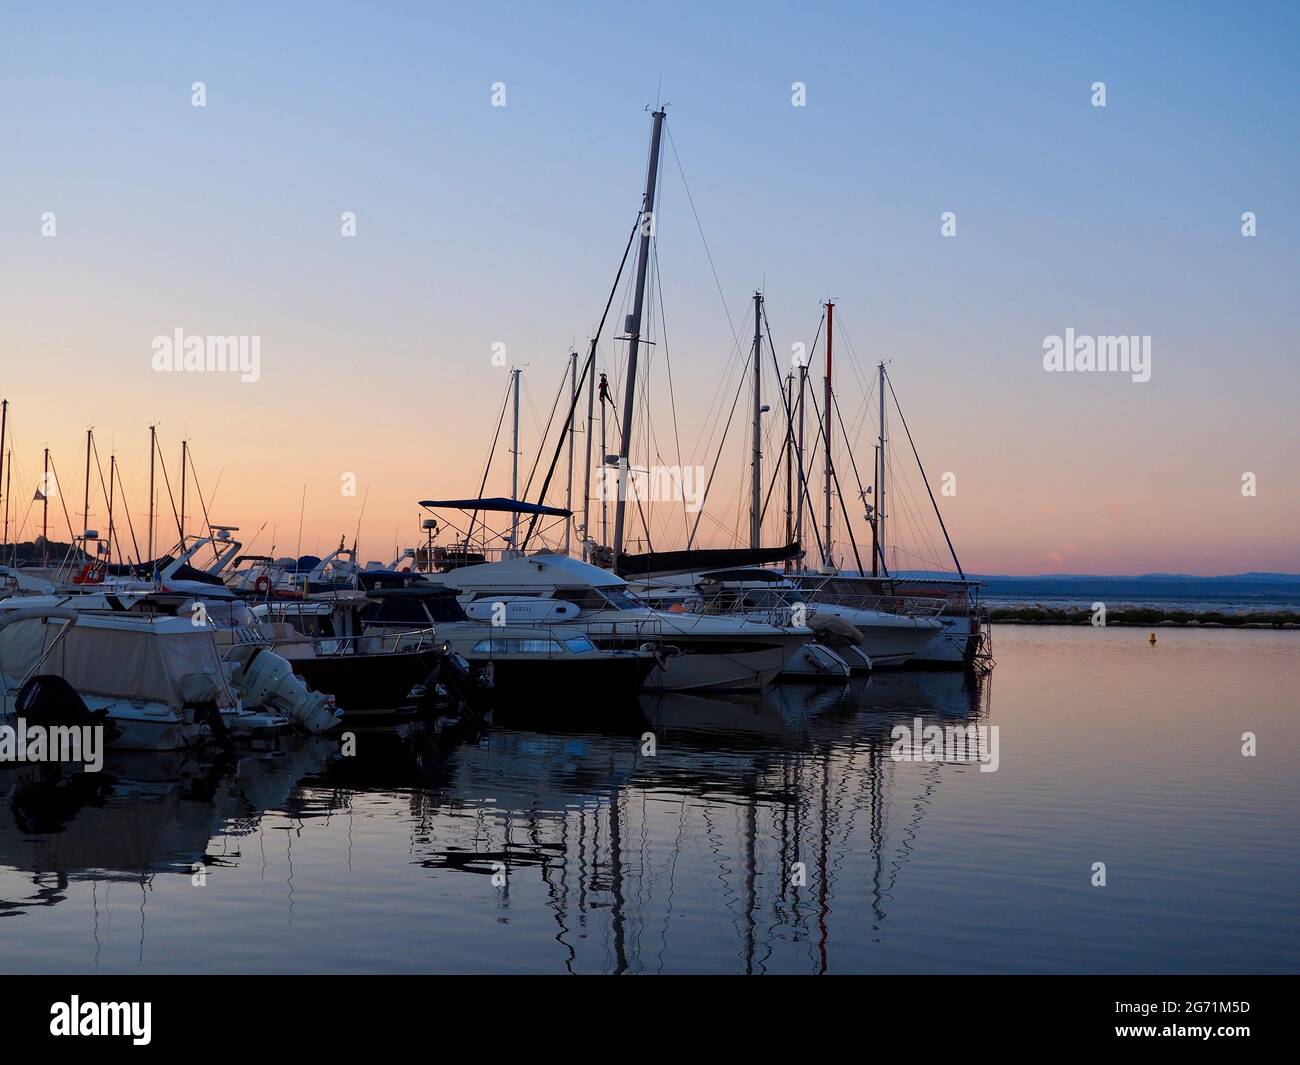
x=125 y=658
x=654 y=563
x=497 y=503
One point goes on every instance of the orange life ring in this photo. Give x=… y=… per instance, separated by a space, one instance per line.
x=91 y=573
x=262 y=585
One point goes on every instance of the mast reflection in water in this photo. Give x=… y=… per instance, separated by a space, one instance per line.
x=771 y=834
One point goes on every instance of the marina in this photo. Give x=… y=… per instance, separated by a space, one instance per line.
x=529 y=490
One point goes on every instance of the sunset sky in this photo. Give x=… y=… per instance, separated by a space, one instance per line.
x=479 y=225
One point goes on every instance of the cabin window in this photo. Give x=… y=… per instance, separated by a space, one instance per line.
x=579 y=645
x=582 y=598
x=513 y=646
x=401 y=612
x=621 y=600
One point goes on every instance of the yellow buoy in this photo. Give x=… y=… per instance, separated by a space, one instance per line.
x=1151 y=638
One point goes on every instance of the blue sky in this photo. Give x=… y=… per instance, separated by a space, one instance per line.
x=479 y=225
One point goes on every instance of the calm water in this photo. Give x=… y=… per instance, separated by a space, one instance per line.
x=1110 y=750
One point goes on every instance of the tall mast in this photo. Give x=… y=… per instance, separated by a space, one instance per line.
x=514 y=463
x=789 y=459
x=827 y=562
x=4 y=426
x=875 y=515
x=755 y=486
x=45 y=511
x=880 y=494
x=798 y=510
x=9 y=476
x=568 y=495
x=604 y=464
x=634 y=330
x=112 y=472
x=185 y=447
x=85 y=502
x=153 y=447
x=586 y=472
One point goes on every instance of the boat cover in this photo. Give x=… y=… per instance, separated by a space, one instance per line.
x=658 y=563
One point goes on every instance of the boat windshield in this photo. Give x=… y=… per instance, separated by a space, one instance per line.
x=621 y=600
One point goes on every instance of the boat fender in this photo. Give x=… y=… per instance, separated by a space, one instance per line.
x=207 y=714
x=663 y=654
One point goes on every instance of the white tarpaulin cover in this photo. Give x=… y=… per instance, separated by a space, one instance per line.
x=142 y=659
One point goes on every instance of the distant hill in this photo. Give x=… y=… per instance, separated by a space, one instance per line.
x=1272 y=578
x=1254 y=591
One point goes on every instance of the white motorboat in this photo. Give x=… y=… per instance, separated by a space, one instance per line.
x=695 y=651
x=158 y=678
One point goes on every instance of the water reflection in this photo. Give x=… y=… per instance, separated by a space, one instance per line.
x=684 y=832
x=144 y=813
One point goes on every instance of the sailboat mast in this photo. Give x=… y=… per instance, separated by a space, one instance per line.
x=185 y=446
x=604 y=464
x=568 y=494
x=586 y=472
x=45 y=512
x=112 y=472
x=634 y=330
x=755 y=486
x=4 y=429
x=514 y=463
x=827 y=562
x=153 y=447
x=798 y=510
x=880 y=495
x=85 y=499
x=789 y=473
x=875 y=516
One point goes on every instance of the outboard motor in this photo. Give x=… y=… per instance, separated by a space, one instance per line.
x=48 y=700
x=263 y=678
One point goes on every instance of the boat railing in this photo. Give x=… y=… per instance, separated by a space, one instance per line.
x=638 y=628
x=367 y=643
x=912 y=606
x=774 y=606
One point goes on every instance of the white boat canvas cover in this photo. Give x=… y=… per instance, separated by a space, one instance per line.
x=137 y=658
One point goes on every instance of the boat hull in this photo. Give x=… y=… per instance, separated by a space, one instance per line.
x=368 y=685
x=149 y=726
x=571 y=679
x=812 y=663
x=952 y=648
x=716 y=670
